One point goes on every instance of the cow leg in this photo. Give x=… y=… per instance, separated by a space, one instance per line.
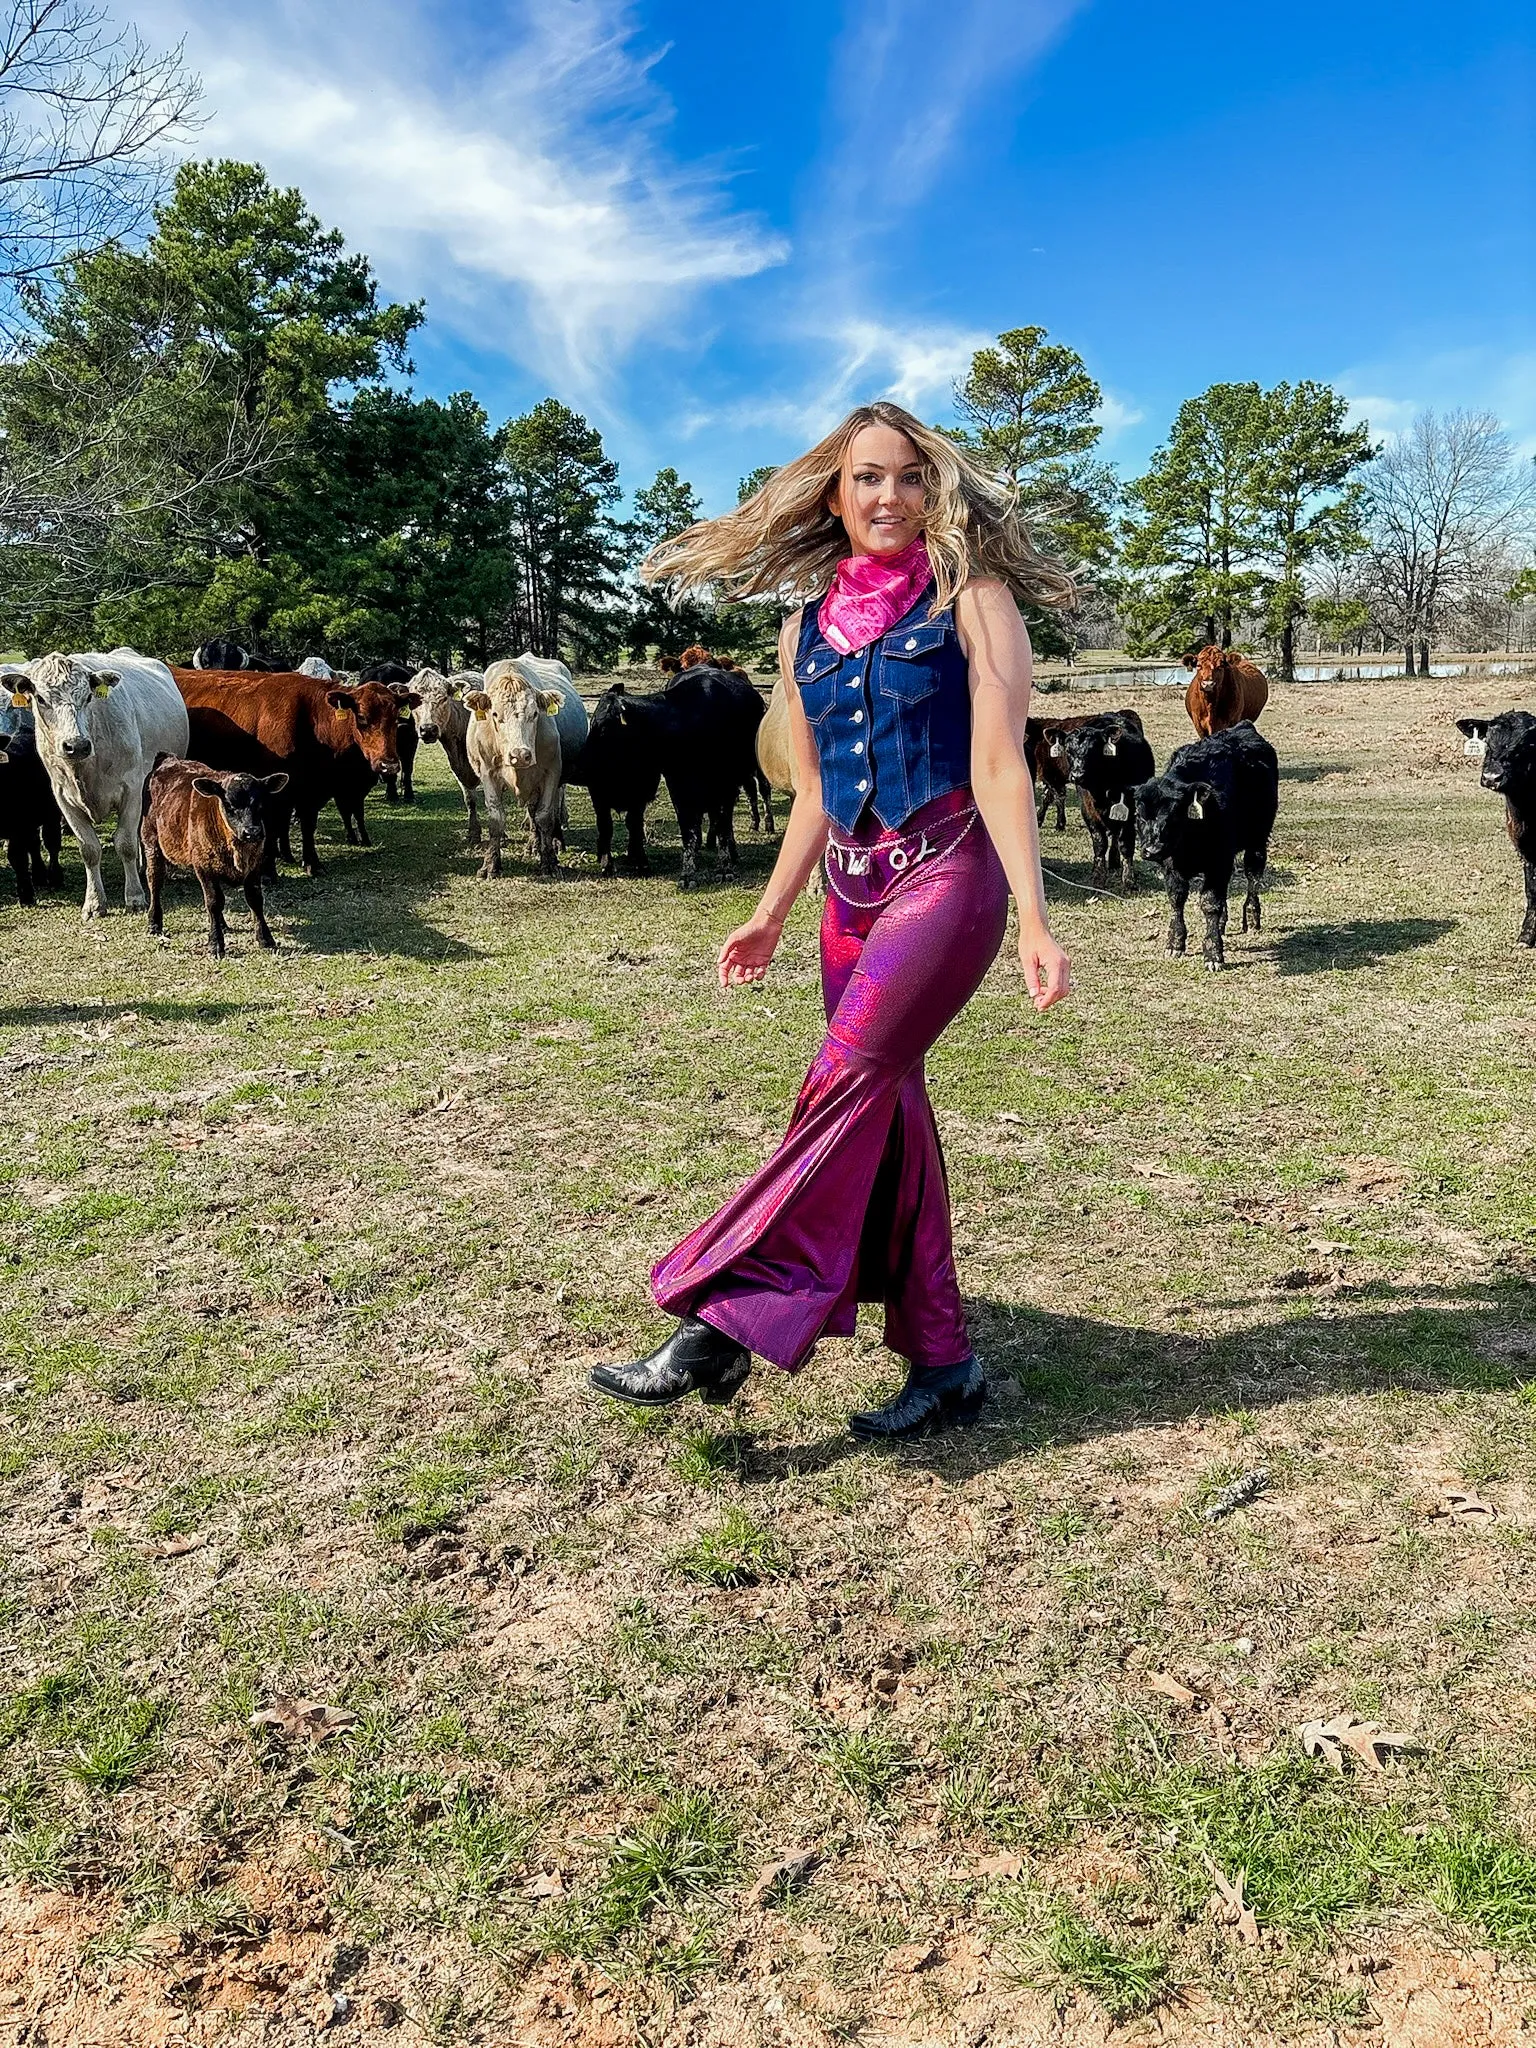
x=636 y=859
x=346 y=824
x=1528 y=929
x=470 y=791
x=130 y=814
x=253 y=897
x=1213 y=903
x=1178 y=896
x=1099 y=839
x=213 y=896
x=309 y=817
x=1254 y=860
x=391 y=789
x=769 y=822
x=1127 y=837
x=544 y=822
x=53 y=839
x=19 y=854
x=753 y=807
x=690 y=826
x=726 y=835
x=154 y=876
x=603 y=813
x=496 y=829
x=80 y=824
x=362 y=828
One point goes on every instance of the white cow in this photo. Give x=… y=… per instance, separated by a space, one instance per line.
x=101 y=720
x=444 y=715
x=316 y=665
x=528 y=723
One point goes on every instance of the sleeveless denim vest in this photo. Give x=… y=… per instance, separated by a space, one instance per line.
x=893 y=722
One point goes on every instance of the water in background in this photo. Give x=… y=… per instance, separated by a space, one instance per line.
x=1165 y=674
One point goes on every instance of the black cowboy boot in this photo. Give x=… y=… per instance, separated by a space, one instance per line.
x=947 y=1397
x=695 y=1358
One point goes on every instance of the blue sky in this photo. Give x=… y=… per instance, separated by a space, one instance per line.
x=711 y=227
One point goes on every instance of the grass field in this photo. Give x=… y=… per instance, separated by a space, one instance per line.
x=305 y=1260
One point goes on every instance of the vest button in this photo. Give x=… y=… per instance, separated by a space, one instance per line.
x=810 y=668
x=862 y=787
x=858 y=716
x=910 y=645
x=858 y=746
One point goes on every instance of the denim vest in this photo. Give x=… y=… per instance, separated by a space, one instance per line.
x=892 y=723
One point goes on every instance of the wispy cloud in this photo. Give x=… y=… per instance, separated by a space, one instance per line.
x=523 y=185
x=1115 y=415
x=908 y=87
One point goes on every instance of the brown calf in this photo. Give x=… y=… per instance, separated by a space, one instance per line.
x=214 y=824
x=1225 y=687
x=1045 y=755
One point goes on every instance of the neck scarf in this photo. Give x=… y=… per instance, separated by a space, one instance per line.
x=870 y=593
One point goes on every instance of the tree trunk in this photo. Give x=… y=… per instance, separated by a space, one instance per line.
x=1408 y=659
x=1288 y=652
x=1423 y=657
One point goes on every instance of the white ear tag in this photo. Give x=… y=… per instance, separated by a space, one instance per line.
x=1196 y=808
x=1111 y=748
x=1475 y=747
x=1057 y=750
x=1120 y=811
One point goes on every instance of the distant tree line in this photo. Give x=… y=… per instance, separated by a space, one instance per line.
x=207 y=430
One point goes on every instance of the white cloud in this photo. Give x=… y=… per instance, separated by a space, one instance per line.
x=505 y=190
x=1387 y=416
x=1114 y=415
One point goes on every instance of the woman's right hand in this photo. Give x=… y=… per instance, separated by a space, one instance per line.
x=746 y=953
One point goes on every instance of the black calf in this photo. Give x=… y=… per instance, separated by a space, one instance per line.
x=1214 y=801
x=1106 y=760
x=29 y=816
x=1507 y=745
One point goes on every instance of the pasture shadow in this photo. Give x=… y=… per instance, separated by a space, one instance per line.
x=1313 y=771
x=155 y=1010
x=367 y=899
x=1060 y=1380
x=1363 y=942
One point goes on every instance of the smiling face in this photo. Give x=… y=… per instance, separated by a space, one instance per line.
x=880 y=495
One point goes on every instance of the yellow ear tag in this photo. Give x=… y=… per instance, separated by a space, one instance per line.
x=481 y=712
x=100 y=689
x=18 y=701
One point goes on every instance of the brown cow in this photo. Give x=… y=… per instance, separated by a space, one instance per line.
x=1045 y=753
x=696 y=657
x=216 y=825
x=1225 y=688
x=320 y=734
x=670 y=665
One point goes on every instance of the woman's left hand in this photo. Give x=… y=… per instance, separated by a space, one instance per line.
x=1046 y=966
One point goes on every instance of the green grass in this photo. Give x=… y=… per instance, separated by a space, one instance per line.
x=306 y=1258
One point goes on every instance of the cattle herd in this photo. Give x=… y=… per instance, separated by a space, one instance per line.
x=205 y=768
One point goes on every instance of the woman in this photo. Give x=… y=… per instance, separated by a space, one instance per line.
x=908 y=685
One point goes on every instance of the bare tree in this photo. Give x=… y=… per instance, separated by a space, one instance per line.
x=1443 y=498
x=87 y=112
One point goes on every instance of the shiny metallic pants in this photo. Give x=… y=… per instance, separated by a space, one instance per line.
x=854 y=1204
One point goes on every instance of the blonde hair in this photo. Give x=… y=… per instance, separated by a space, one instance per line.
x=785 y=541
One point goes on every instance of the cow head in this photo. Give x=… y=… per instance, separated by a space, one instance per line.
x=437 y=692
x=1170 y=812
x=374 y=712
x=1508 y=747
x=1210 y=667
x=62 y=693
x=515 y=710
x=695 y=657
x=241 y=802
x=1092 y=750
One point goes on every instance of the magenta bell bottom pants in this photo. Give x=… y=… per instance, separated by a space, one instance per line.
x=854 y=1204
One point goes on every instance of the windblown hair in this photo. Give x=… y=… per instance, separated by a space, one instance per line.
x=785 y=541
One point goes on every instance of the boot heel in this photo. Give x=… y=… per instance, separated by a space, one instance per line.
x=727 y=1386
x=968 y=1413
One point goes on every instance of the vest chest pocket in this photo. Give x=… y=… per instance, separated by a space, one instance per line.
x=909 y=662
x=816 y=681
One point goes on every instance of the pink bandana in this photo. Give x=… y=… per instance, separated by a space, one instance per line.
x=871 y=592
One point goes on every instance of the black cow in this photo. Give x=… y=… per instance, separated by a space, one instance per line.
x=394 y=675
x=696 y=734
x=29 y=816
x=1045 y=755
x=1214 y=801
x=1107 y=759
x=1508 y=747
x=221 y=654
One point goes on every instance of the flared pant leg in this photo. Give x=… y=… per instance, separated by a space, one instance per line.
x=854 y=1204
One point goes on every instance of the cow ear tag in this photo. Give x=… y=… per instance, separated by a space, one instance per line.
x=20 y=703
x=1196 y=808
x=1111 y=748
x=1473 y=746
x=1120 y=811
x=100 y=689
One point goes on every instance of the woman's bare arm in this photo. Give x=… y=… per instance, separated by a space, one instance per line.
x=996 y=644
x=746 y=953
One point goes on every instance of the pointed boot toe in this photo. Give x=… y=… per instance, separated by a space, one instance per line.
x=950 y=1398
x=695 y=1359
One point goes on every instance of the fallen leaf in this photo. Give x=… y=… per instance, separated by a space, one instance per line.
x=15 y=1386
x=786 y=1874
x=549 y=1884
x=291 y=1718
x=908 y=1960
x=1000 y=1866
x=177 y=1546
x=1329 y=1739
x=1457 y=1504
x=1170 y=1688
x=1010 y=1116
x=1230 y=1908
